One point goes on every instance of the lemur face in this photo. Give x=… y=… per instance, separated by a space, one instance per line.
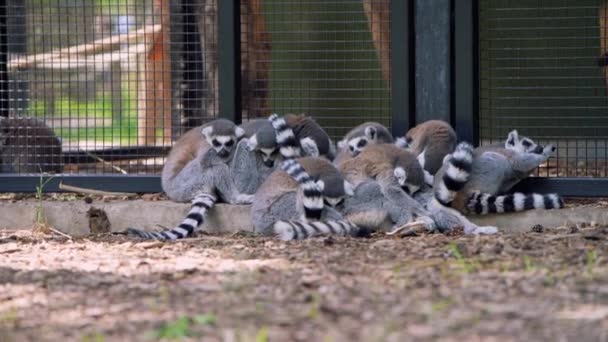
x=523 y=144
x=269 y=155
x=222 y=144
x=356 y=145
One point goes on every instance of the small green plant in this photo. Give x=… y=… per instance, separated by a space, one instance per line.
x=528 y=264
x=93 y=337
x=262 y=335
x=40 y=216
x=441 y=305
x=463 y=264
x=182 y=327
x=591 y=261
x=205 y=319
x=315 y=306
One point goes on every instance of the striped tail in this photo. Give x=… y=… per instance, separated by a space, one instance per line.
x=458 y=169
x=299 y=230
x=482 y=204
x=313 y=191
x=286 y=139
x=200 y=205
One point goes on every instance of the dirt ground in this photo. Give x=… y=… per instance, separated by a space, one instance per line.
x=550 y=284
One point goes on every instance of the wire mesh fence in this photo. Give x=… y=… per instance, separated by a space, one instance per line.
x=110 y=84
x=540 y=74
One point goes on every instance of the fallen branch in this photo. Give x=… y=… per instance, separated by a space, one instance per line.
x=72 y=188
x=59 y=232
x=411 y=226
x=106 y=162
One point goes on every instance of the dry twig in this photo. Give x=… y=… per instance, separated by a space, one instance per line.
x=91 y=191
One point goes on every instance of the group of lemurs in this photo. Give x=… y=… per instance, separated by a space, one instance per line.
x=300 y=185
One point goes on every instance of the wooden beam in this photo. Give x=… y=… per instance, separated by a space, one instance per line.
x=156 y=111
x=101 y=45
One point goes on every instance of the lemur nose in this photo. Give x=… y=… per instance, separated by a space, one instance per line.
x=223 y=153
x=269 y=162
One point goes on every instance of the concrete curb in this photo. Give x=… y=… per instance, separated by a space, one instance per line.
x=71 y=216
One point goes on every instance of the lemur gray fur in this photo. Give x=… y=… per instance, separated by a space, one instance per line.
x=28 y=145
x=474 y=181
x=255 y=155
x=298 y=200
x=384 y=177
x=197 y=170
x=310 y=139
x=367 y=133
x=431 y=141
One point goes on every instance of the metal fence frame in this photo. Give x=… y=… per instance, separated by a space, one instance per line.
x=464 y=93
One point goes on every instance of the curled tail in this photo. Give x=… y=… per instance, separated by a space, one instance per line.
x=313 y=191
x=200 y=205
x=299 y=230
x=480 y=203
x=286 y=139
x=458 y=169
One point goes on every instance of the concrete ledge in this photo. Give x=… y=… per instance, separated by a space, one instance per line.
x=71 y=216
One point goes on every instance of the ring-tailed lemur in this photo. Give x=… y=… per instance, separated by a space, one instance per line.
x=474 y=181
x=367 y=133
x=28 y=145
x=308 y=137
x=299 y=200
x=254 y=156
x=384 y=176
x=291 y=202
x=197 y=170
x=431 y=141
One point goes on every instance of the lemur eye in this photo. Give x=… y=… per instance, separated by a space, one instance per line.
x=351 y=148
x=229 y=143
x=340 y=202
x=510 y=142
x=362 y=143
x=216 y=143
x=527 y=143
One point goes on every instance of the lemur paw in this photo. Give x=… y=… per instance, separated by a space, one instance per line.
x=244 y=199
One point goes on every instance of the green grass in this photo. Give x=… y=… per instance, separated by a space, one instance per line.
x=183 y=326
x=122 y=130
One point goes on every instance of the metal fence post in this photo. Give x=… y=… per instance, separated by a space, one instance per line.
x=402 y=64
x=465 y=80
x=4 y=96
x=229 y=59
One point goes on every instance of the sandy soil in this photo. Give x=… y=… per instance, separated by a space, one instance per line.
x=548 y=284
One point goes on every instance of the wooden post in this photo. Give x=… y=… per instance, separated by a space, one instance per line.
x=603 y=62
x=156 y=84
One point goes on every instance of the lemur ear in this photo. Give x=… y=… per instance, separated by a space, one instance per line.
x=401 y=142
x=400 y=173
x=370 y=131
x=252 y=143
x=239 y=132
x=320 y=184
x=512 y=138
x=348 y=188
x=207 y=131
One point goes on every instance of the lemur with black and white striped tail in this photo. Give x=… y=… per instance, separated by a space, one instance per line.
x=197 y=170
x=474 y=181
x=298 y=200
